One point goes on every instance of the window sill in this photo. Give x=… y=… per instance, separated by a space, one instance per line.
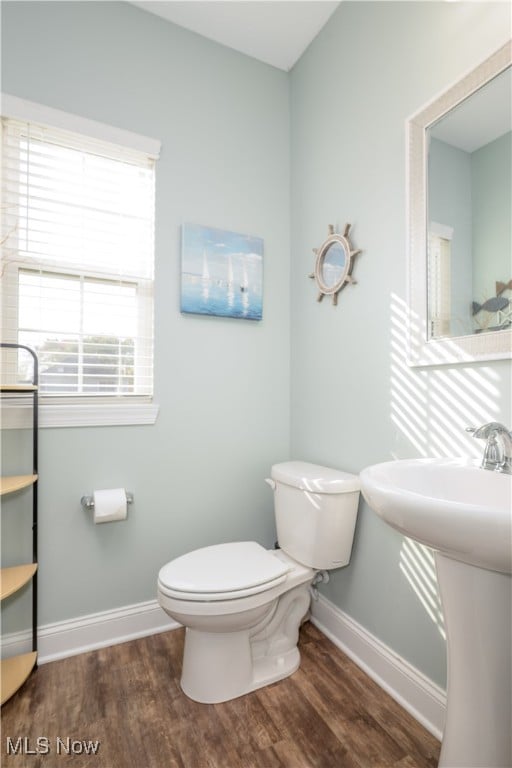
x=17 y=414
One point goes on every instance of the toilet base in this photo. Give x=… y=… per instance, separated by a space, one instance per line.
x=267 y=671
x=220 y=666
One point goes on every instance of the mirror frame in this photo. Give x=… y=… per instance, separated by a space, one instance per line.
x=492 y=345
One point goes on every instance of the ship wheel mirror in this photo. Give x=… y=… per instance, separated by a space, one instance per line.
x=334 y=264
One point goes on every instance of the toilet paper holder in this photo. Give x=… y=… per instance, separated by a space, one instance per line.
x=87 y=502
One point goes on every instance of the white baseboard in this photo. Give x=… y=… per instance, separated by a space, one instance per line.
x=415 y=692
x=97 y=630
x=425 y=701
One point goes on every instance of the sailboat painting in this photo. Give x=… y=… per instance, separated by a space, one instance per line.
x=221 y=273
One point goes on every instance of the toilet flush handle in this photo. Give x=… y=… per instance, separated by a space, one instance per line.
x=271 y=482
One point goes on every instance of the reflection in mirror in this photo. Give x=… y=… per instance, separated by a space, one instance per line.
x=333 y=264
x=469 y=205
x=459 y=225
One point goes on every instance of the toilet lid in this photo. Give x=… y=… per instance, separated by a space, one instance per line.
x=224 y=570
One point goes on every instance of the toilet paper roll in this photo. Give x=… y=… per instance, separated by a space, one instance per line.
x=110 y=505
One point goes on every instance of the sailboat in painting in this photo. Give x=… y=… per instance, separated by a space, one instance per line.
x=230 y=272
x=244 y=287
x=206 y=271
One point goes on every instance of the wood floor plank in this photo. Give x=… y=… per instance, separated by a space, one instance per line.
x=361 y=696
x=301 y=724
x=249 y=709
x=266 y=758
x=291 y=755
x=329 y=714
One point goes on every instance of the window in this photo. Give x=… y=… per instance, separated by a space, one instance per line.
x=96 y=354
x=439 y=287
x=78 y=226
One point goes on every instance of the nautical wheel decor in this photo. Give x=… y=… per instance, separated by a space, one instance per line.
x=334 y=264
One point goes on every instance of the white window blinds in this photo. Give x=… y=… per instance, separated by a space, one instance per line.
x=439 y=280
x=77 y=273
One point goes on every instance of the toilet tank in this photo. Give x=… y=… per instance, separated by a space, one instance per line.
x=316 y=510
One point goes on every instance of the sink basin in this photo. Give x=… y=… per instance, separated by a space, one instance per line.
x=465 y=514
x=452 y=505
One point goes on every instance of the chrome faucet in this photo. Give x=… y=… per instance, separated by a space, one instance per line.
x=498 y=447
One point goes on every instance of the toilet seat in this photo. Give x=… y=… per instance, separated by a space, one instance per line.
x=222 y=572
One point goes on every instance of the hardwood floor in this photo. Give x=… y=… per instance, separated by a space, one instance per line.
x=329 y=714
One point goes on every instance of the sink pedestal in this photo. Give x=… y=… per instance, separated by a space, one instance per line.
x=477 y=605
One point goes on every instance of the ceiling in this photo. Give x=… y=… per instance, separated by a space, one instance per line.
x=481 y=118
x=276 y=32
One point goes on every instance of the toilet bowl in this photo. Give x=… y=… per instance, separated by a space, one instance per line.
x=241 y=638
x=241 y=604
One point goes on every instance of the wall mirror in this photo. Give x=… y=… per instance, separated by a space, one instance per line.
x=460 y=202
x=334 y=264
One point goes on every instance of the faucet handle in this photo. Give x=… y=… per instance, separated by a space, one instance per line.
x=486 y=430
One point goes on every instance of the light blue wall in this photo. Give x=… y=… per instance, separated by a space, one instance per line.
x=222 y=385
x=492 y=203
x=449 y=203
x=354 y=400
x=471 y=192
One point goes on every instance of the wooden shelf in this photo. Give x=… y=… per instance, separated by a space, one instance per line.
x=16 y=483
x=17 y=393
x=14 y=671
x=12 y=579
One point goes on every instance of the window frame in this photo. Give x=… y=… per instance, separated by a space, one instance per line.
x=58 y=410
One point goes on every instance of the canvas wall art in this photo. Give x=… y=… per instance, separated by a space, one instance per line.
x=221 y=273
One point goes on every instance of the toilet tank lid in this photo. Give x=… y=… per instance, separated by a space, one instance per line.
x=315 y=478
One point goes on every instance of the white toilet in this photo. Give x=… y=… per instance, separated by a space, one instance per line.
x=241 y=604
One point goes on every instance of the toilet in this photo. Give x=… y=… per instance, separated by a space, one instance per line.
x=241 y=604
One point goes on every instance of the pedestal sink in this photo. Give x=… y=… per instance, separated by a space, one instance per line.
x=464 y=513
